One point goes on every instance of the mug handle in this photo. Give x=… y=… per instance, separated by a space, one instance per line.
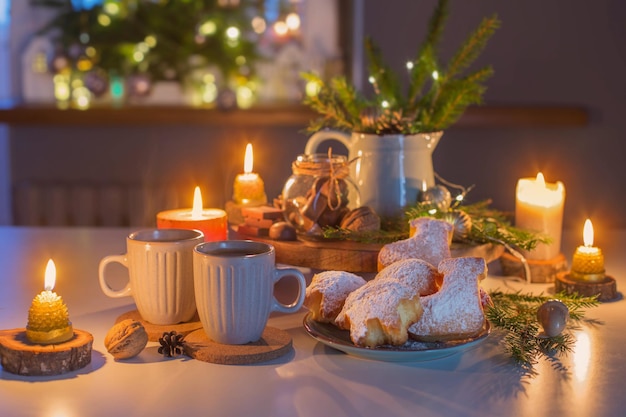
x=318 y=137
x=279 y=274
x=106 y=289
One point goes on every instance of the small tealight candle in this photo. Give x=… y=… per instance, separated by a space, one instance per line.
x=48 y=319
x=249 y=189
x=539 y=207
x=212 y=222
x=588 y=260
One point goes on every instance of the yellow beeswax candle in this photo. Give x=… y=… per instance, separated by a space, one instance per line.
x=588 y=260
x=48 y=319
x=249 y=189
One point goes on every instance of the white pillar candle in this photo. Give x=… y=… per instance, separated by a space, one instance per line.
x=539 y=208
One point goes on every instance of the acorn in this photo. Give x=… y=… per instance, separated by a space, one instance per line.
x=553 y=316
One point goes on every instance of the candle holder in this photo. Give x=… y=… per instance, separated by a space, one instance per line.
x=20 y=356
x=605 y=288
x=541 y=271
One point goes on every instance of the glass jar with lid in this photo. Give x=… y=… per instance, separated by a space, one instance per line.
x=318 y=192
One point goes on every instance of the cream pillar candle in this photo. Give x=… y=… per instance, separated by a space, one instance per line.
x=539 y=208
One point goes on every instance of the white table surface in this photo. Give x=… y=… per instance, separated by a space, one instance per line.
x=313 y=380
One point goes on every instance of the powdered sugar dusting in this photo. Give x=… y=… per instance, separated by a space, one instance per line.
x=334 y=286
x=431 y=243
x=378 y=301
x=416 y=273
x=455 y=311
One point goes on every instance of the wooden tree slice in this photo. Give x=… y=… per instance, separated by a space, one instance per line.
x=541 y=271
x=21 y=357
x=155 y=331
x=606 y=289
x=273 y=344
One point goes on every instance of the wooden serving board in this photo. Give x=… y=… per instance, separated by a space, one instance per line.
x=22 y=357
x=351 y=256
x=273 y=344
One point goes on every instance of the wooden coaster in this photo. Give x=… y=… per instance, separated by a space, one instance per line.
x=22 y=357
x=606 y=289
x=273 y=344
x=155 y=331
x=541 y=271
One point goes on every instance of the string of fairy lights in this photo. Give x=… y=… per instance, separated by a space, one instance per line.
x=121 y=48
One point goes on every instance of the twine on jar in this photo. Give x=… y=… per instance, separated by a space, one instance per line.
x=326 y=171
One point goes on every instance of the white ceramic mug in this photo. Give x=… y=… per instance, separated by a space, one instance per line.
x=160 y=269
x=234 y=282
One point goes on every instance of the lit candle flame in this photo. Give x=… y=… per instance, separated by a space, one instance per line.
x=248 y=159
x=51 y=276
x=588 y=233
x=196 y=211
x=541 y=181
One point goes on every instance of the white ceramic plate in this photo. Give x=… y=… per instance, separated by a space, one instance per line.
x=412 y=351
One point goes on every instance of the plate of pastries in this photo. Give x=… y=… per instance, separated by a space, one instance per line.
x=422 y=304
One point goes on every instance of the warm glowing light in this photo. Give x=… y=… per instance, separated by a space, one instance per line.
x=435 y=75
x=281 y=28
x=409 y=65
x=245 y=97
x=232 y=33
x=371 y=79
x=312 y=88
x=138 y=56
x=111 y=8
x=208 y=28
x=384 y=104
x=541 y=181
x=258 y=24
x=209 y=95
x=538 y=193
x=51 y=276
x=588 y=233
x=150 y=41
x=104 y=20
x=582 y=356
x=196 y=210
x=248 y=159
x=293 y=21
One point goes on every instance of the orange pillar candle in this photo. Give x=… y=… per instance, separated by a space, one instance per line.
x=249 y=189
x=212 y=222
x=539 y=207
x=48 y=319
x=588 y=260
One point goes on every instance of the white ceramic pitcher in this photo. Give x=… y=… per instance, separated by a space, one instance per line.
x=390 y=170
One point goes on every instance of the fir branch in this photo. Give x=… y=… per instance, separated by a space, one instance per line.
x=384 y=80
x=516 y=314
x=471 y=49
x=433 y=102
x=426 y=62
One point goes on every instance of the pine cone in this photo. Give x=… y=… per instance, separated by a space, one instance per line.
x=172 y=344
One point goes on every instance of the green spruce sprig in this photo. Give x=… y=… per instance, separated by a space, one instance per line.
x=488 y=226
x=436 y=97
x=516 y=314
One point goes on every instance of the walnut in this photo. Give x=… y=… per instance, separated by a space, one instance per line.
x=126 y=339
x=361 y=219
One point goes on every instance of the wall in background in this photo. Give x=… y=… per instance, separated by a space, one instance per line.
x=563 y=52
